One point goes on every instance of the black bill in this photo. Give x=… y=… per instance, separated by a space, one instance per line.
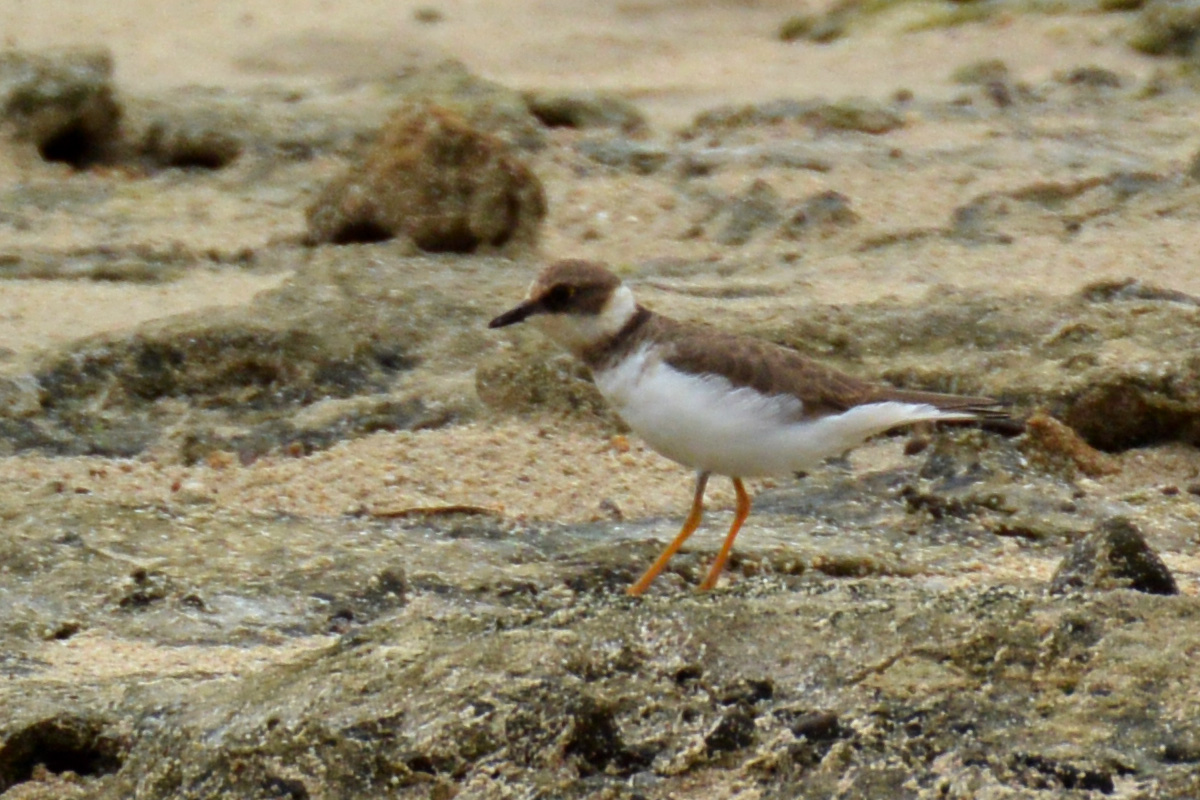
x=515 y=315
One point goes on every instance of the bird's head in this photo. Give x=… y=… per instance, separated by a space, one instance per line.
x=578 y=304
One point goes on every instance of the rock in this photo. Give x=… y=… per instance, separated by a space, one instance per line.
x=1124 y=411
x=1113 y=556
x=204 y=142
x=642 y=158
x=437 y=181
x=486 y=106
x=981 y=73
x=1055 y=447
x=1193 y=168
x=583 y=689
x=428 y=15
x=194 y=493
x=815 y=726
x=230 y=364
x=19 y=397
x=311 y=428
x=63 y=103
x=65 y=742
x=755 y=208
x=821 y=213
x=147 y=588
x=585 y=110
x=319 y=360
x=821 y=28
x=1109 y=291
x=848 y=114
x=733 y=731
x=1166 y=28
x=592 y=739
x=972 y=224
x=1183 y=747
x=1050 y=209
x=854 y=114
x=537 y=380
x=992 y=76
x=1046 y=772
x=1092 y=77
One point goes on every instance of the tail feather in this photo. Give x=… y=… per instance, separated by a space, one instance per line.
x=984 y=409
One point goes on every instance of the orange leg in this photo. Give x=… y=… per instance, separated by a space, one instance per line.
x=743 y=511
x=689 y=527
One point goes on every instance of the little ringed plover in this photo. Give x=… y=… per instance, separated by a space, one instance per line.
x=717 y=402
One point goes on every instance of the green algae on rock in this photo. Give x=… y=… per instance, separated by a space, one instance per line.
x=852 y=114
x=325 y=357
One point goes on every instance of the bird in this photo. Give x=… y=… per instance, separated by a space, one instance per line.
x=715 y=401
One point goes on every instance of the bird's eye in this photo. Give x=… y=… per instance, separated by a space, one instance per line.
x=558 y=297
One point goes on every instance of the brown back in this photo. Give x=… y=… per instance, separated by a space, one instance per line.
x=767 y=367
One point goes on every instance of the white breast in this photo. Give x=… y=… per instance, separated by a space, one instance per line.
x=705 y=423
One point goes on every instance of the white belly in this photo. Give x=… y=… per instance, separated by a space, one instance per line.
x=703 y=422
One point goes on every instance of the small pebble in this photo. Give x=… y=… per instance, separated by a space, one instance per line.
x=193 y=492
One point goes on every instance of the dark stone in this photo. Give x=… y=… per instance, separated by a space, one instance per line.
x=748 y=691
x=382 y=593
x=1042 y=772
x=733 y=731
x=1182 y=748
x=1095 y=77
x=1133 y=289
x=63 y=103
x=642 y=158
x=1167 y=28
x=816 y=726
x=982 y=73
x=1125 y=413
x=854 y=114
x=593 y=738
x=585 y=110
x=1113 y=556
x=972 y=223
x=191 y=144
x=757 y=207
x=64 y=743
x=820 y=28
x=285 y=788
x=823 y=212
x=144 y=590
x=848 y=114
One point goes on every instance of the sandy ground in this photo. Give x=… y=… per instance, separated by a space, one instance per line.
x=674 y=58
x=38 y=314
x=529 y=471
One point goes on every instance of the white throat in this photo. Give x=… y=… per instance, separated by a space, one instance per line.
x=577 y=332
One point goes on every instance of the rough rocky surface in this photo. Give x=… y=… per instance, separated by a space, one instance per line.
x=586 y=110
x=303 y=366
x=62 y=103
x=289 y=521
x=1114 y=556
x=436 y=181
